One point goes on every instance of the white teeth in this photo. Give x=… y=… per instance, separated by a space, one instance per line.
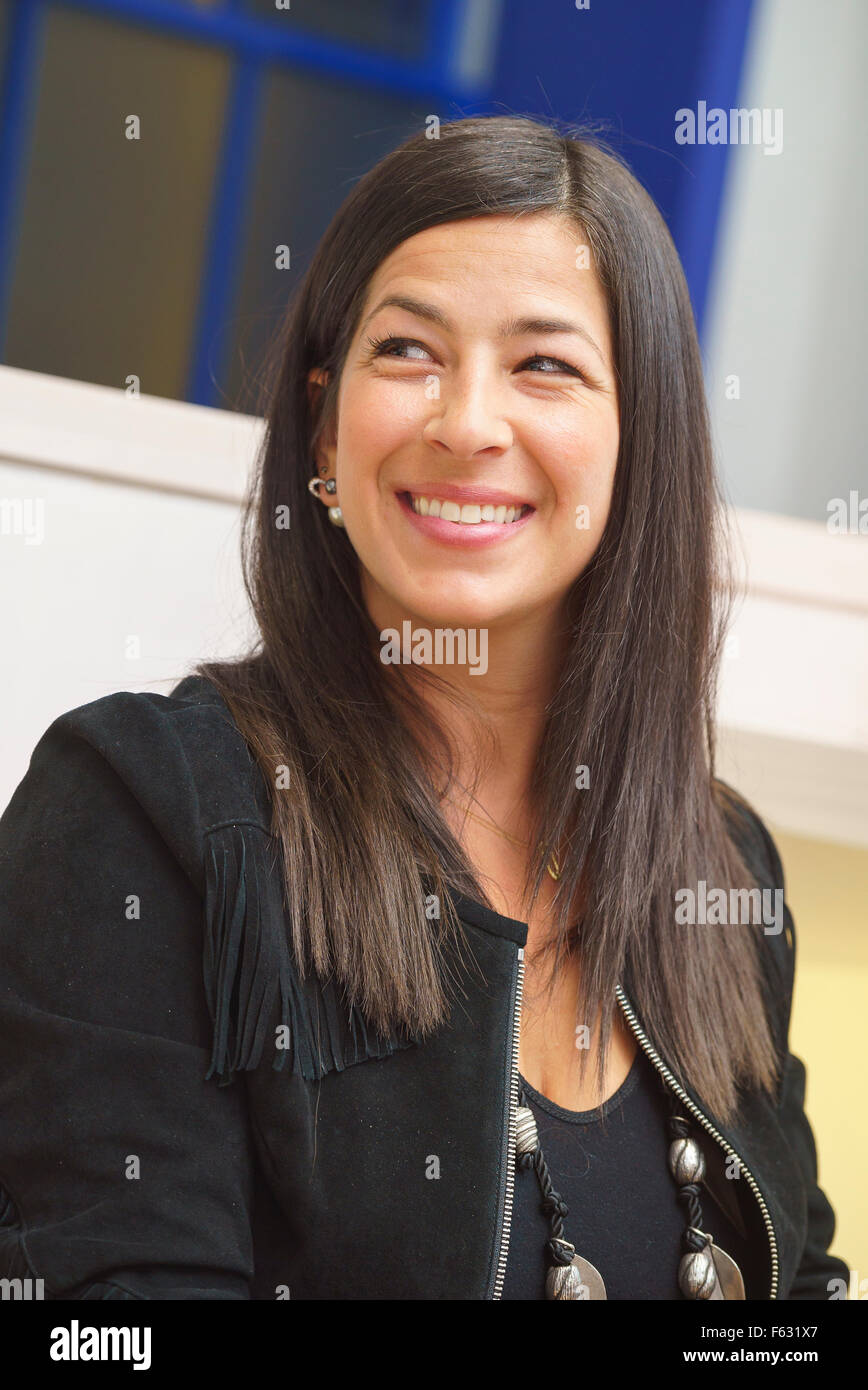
x=470 y=514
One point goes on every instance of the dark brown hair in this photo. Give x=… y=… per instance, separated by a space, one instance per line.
x=358 y=817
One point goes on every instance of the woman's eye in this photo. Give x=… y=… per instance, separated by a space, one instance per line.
x=383 y=347
x=558 y=365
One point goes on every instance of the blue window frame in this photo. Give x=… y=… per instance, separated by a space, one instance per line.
x=403 y=48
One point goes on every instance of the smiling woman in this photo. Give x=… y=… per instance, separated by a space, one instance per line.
x=434 y=904
x=476 y=408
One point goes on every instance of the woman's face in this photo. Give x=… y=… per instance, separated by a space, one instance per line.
x=493 y=408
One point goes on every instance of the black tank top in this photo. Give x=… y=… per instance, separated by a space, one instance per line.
x=624 y=1215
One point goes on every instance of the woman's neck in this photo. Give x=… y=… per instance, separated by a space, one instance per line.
x=512 y=697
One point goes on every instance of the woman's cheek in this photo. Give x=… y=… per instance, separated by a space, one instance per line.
x=370 y=436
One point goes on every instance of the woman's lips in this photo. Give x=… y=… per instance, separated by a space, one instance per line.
x=474 y=534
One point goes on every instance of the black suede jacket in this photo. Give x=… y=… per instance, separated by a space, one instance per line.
x=155 y=1145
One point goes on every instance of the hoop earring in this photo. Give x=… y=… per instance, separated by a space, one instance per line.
x=329 y=484
x=336 y=516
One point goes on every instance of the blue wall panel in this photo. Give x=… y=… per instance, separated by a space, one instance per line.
x=633 y=64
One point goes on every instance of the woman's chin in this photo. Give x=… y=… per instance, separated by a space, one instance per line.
x=458 y=614
x=443 y=601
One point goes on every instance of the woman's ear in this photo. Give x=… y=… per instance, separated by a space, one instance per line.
x=317 y=380
x=326 y=446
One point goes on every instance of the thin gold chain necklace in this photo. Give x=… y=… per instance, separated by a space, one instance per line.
x=553 y=867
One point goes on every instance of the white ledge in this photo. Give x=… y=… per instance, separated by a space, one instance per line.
x=102 y=432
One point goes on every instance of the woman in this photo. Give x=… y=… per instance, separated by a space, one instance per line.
x=411 y=876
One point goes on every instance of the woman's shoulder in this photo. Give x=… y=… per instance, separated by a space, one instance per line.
x=180 y=756
x=193 y=722
x=750 y=834
x=777 y=931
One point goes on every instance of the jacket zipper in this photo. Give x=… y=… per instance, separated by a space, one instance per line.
x=506 y=1214
x=654 y=1056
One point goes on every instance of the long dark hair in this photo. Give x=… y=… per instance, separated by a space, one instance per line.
x=356 y=810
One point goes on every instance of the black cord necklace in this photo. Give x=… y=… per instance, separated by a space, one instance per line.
x=705 y=1270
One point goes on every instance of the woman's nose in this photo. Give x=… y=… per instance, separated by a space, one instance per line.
x=467 y=417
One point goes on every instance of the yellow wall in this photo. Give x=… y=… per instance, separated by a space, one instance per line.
x=827 y=892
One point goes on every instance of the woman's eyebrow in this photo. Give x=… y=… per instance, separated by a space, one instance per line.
x=512 y=328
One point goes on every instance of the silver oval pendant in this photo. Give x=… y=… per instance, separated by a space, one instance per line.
x=730 y=1283
x=577 y=1280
